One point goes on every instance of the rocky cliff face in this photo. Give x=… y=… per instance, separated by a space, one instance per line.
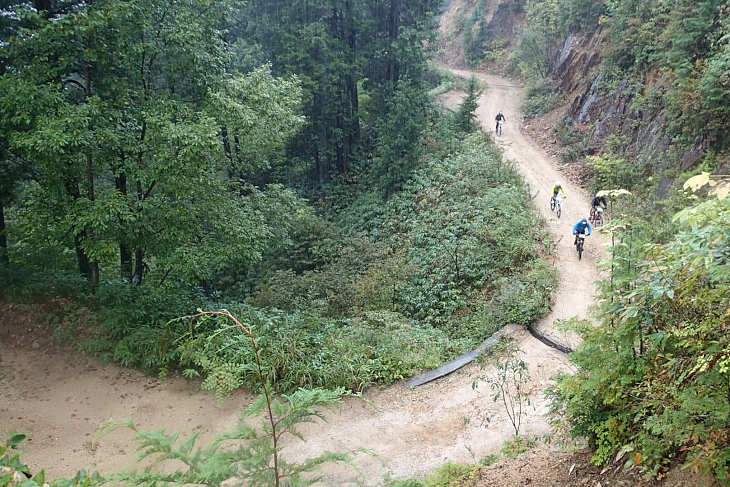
x=633 y=109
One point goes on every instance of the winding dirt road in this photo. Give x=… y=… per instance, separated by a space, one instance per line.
x=61 y=400
x=576 y=277
x=420 y=429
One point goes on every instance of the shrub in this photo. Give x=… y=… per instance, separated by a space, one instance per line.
x=652 y=378
x=518 y=445
x=541 y=98
x=300 y=350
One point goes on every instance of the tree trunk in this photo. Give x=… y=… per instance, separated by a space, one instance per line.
x=393 y=26
x=341 y=146
x=138 y=267
x=43 y=6
x=4 y=257
x=351 y=81
x=81 y=257
x=72 y=188
x=205 y=284
x=227 y=151
x=139 y=253
x=94 y=264
x=125 y=253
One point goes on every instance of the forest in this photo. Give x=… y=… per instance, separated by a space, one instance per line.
x=288 y=163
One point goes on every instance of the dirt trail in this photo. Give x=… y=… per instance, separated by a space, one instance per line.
x=60 y=399
x=576 y=277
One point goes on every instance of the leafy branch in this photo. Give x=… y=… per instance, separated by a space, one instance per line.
x=508 y=384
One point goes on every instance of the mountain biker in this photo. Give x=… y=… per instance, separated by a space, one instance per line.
x=500 y=116
x=598 y=200
x=557 y=188
x=581 y=227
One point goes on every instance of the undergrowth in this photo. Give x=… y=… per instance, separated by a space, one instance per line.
x=371 y=292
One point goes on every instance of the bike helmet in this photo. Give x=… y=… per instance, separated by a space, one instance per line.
x=584 y=220
x=558 y=184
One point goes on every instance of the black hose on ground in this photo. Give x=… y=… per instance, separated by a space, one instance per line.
x=468 y=357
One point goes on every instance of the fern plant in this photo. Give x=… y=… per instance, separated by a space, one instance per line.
x=247 y=455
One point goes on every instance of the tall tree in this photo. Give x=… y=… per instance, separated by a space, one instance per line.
x=337 y=47
x=121 y=106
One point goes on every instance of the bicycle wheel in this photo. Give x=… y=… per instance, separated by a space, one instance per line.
x=552 y=204
x=598 y=220
x=579 y=247
x=557 y=209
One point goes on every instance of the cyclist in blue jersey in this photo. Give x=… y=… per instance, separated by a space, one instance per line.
x=582 y=227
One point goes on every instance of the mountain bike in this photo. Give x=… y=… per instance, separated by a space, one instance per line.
x=499 y=127
x=579 y=244
x=596 y=217
x=556 y=204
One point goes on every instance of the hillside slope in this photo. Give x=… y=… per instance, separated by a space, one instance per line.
x=610 y=91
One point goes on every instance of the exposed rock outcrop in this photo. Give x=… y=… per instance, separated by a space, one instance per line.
x=632 y=108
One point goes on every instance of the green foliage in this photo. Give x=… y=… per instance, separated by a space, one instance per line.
x=450 y=473
x=465 y=228
x=687 y=42
x=518 y=445
x=651 y=380
x=252 y=452
x=575 y=15
x=508 y=383
x=465 y=116
x=476 y=34
x=351 y=309
x=488 y=460
x=405 y=483
x=379 y=292
x=532 y=58
x=12 y=470
x=129 y=136
x=353 y=275
x=611 y=171
x=540 y=98
x=155 y=188
x=399 y=139
x=539 y=40
x=299 y=350
x=245 y=452
x=353 y=59
x=138 y=330
x=34 y=284
x=573 y=138
x=525 y=299
x=680 y=46
x=446 y=475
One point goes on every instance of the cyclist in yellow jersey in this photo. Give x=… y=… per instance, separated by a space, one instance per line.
x=557 y=188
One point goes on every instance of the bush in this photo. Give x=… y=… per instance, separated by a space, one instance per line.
x=138 y=324
x=652 y=379
x=541 y=98
x=302 y=350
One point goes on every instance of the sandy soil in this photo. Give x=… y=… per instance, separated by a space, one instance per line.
x=59 y=397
